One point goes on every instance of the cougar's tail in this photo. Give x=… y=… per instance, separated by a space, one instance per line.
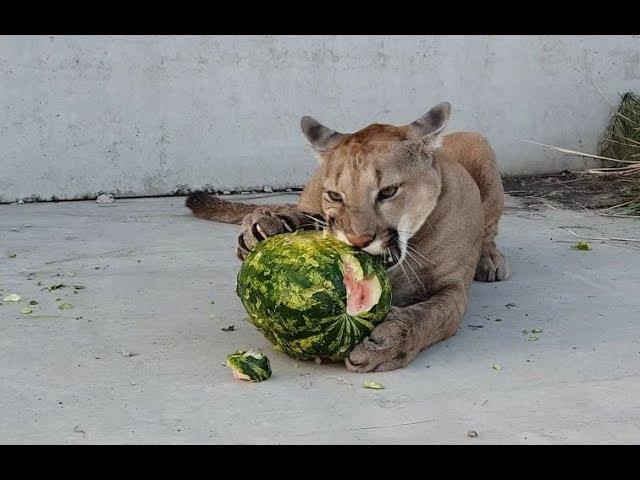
x=210 y=207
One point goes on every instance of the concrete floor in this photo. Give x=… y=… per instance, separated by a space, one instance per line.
x=150 y=270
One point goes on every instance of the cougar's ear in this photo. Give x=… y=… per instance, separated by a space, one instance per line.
x=320 y=137
x=431 y=124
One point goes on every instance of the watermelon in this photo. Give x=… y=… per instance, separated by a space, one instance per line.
x=249 y=365
x=313 y=296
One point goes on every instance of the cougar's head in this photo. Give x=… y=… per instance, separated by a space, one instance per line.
x=379 y=184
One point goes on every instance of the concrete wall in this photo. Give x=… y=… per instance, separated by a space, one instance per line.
x=150 y=115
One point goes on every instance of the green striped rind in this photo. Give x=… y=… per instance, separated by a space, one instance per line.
x=292 y=288
x=255 y=366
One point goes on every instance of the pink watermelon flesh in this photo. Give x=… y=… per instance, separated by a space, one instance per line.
x=362 y=294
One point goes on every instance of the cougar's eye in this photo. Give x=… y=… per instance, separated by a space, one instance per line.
x=387 y=192
x=336 y=197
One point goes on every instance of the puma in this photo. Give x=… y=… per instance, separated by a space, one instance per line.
x=428 y=204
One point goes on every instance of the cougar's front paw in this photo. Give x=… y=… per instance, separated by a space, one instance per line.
x=492 y=267
x=389 y=346
x=263 y=223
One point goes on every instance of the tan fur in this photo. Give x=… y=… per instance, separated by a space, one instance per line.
x=475 y=154
x=441 y=223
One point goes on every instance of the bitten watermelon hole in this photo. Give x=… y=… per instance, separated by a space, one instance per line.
x=362 y=294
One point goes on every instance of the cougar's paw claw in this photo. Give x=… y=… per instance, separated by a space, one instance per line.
x=261 y=224
x=386 y=348
x=492 y=267
x=241 y=253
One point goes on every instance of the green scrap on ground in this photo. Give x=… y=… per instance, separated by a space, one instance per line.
x=581 y=245
x=372 y=385
x=249 y=365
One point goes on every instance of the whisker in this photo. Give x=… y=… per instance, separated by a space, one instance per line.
x=409 y=255
x=317 y=220
x=387 y=258
x=415 y=259
x=416 y=252
x=403 y=270
x=391 y=257
x=398 y=262
x=398 y=256
x=318 y=225
x=420 y=255
x=416 y=275
x=315 y=226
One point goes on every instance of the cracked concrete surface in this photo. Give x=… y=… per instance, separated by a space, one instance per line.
x=150 y=270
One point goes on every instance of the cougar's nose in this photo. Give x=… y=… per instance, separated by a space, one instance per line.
x=361 y=241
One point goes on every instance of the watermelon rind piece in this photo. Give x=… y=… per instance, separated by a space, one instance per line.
x=249 y=365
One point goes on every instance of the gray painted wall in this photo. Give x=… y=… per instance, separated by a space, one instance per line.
x=148 y=115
